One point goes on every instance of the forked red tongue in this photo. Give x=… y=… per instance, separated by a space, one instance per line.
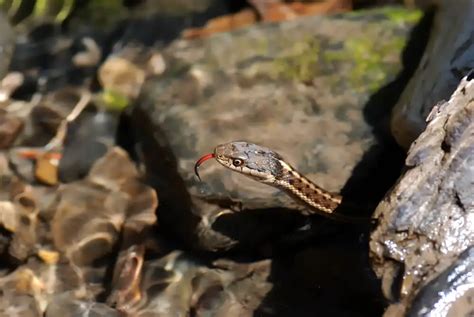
x=200 y=161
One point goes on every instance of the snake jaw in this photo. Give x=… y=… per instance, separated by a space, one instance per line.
x=200 y=161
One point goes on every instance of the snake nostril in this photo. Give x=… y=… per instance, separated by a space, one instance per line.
x=219 y=150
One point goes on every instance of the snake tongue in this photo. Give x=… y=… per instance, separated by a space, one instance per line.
x=200 y=161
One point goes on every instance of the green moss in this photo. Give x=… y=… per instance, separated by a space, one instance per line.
x=395 y=14
x=300 y=63
x=401 y=15
x=371 y=61
x=113 y=101
x=374 y=61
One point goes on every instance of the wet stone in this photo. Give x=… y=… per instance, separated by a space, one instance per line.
x=64 y=306
x=29 y=287
x=21 y=218
x=178 y=283
x=91 y=213
x=127 y=278
x=426 y=223
x=88 y=139
x=21 y=306
x=10 y=128
x=42 y=120
x=23 y=166
x=449 y=294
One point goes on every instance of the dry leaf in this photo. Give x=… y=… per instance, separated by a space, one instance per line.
x=222 y=24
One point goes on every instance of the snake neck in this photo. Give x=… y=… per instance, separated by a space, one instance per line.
x=318 y=200
x=311 y=194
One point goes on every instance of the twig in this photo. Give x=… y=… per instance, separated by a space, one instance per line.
x=58 y=140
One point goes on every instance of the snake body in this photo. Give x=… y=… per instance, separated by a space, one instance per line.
x=266 y=166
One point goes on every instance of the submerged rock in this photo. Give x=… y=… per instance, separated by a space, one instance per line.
x=180 y=284
x=10 y=128
x=314 y=89
x=88 y=139
x=93 y=213
x=127 y=278
x=28 y=290
x=66 y=306
x=62 y=240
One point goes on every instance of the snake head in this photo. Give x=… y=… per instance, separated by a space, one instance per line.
x=252 y=160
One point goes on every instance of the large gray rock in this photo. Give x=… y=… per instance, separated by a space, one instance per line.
x=427 y=221
x=314 y=89
x=448 y=57
x=446 y=295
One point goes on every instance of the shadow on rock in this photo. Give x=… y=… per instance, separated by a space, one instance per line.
x=382 y=163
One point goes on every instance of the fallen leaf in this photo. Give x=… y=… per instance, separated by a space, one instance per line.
x=222 y=24
x=46 y=170
x=33 y=154
x=275 y=10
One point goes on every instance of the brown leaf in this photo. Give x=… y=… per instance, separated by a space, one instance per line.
x=273 y=10
x=222 y=24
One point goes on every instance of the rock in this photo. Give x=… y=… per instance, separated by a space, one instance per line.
x=449 y=294
x=179 y=283
x=62 y=240
x=44 y=117
x=301 y=87
x=10 y=128
x=88 y=138
x=27 y=290
x=426 y=222
x=121 y=75
x=9 y=84
x=22 y=162
x=127 y=278
x=65 y=305
x=447 y=58
x=30 y=230
x=7 y=39
x=92 y=213
x=90 y=57
x=20 y=216
x=21 y=306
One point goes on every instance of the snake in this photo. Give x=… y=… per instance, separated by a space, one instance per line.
x=268 y=167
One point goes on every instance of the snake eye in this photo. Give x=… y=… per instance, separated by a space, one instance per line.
x=237 y=162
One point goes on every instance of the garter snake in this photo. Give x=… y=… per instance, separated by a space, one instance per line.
x=266 y=166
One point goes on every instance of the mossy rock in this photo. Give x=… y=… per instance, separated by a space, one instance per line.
x=305 y=88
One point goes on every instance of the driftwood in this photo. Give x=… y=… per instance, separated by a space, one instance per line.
x=427 y=221
x=448 y=57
